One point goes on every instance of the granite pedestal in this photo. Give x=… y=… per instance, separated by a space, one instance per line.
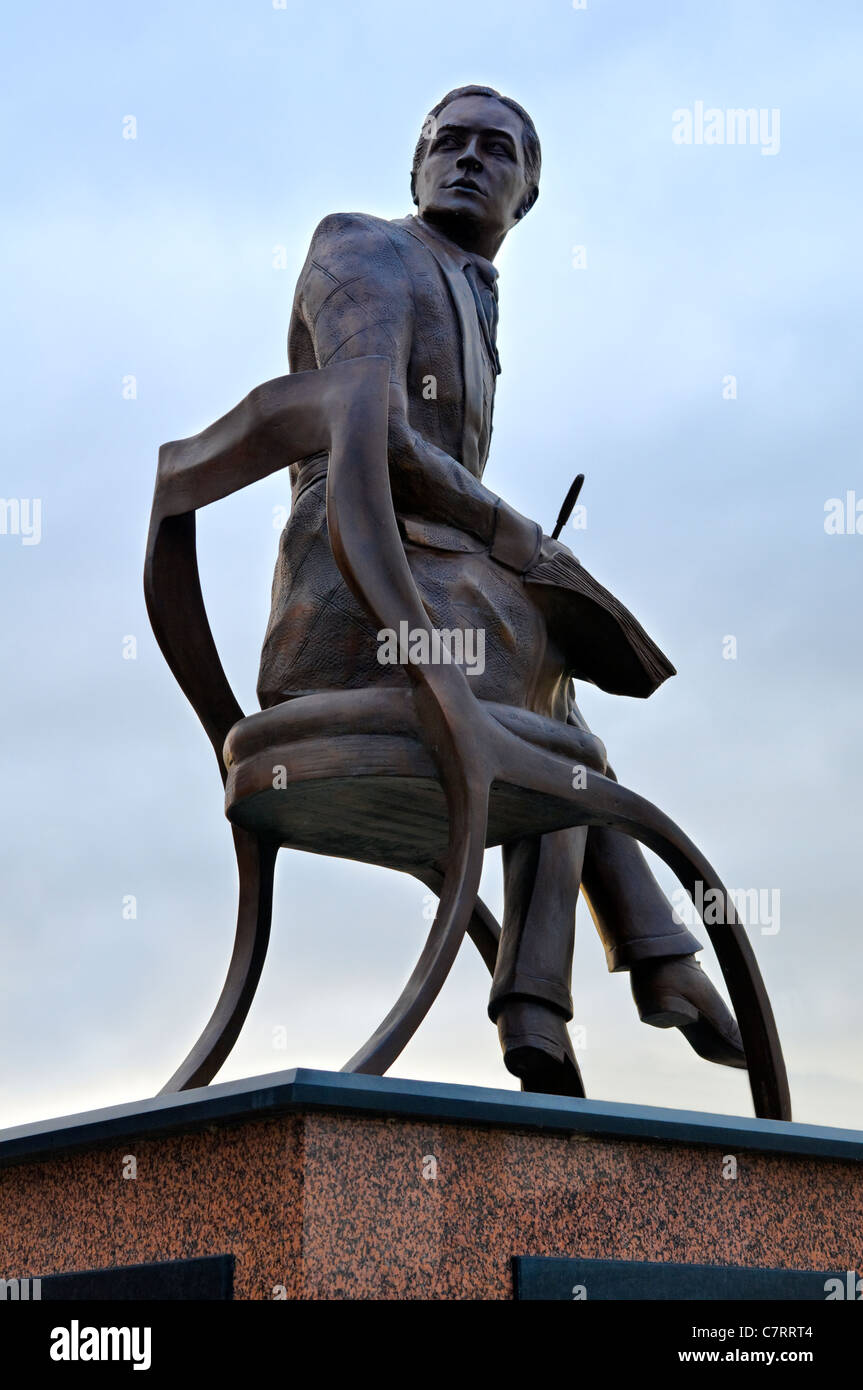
x=322 y=1185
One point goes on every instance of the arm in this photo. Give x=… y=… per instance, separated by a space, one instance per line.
x=355 y=299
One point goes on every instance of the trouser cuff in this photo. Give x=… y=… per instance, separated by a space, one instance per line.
x=629 y=953
x=531 y=987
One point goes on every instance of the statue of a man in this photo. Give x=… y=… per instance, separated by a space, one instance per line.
x=422 y=291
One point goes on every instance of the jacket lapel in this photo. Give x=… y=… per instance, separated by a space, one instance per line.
x=472 y=343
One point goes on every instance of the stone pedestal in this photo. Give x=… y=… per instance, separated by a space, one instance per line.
x=323 y=1185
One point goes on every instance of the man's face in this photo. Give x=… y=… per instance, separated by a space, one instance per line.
x=474 y=167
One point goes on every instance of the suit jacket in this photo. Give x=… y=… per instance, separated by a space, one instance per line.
x=399 y=290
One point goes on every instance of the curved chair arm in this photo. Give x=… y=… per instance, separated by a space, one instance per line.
x=341 y=409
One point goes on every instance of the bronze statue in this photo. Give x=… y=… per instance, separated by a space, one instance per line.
x=422 y=292
x=416 y=680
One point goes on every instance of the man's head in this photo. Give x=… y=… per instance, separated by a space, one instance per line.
x=476 y=167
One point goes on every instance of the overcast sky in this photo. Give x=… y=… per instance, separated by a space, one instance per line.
x=157 y=257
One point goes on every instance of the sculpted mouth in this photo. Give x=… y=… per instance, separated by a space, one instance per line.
x=467 y=185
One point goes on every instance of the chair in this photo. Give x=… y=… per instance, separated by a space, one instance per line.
x=421 y=779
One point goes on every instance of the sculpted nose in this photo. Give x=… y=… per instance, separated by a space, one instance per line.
x=469 y=158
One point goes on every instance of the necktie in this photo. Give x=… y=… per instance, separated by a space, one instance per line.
x=485 y=297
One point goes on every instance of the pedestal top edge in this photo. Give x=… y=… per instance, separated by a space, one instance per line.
x=303 y=1088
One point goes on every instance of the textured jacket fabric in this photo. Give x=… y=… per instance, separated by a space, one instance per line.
x=402 y=291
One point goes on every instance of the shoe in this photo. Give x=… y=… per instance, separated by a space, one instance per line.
x=674 y=992
x=537 y=1048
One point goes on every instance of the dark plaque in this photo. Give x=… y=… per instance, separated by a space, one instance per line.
x=210 y=1277
x=539 y=1278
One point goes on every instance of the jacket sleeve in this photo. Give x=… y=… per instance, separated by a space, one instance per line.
x=356 y=300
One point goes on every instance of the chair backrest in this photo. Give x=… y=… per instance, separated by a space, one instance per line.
x=342 y=409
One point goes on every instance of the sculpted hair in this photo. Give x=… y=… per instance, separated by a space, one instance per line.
x=530 y=139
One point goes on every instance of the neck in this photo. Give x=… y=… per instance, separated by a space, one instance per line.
x=470 y=235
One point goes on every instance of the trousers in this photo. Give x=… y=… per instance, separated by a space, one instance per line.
x=543 y=875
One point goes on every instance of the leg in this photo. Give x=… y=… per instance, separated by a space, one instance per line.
x=639 y=933
x=541 y=876
x=530 y=997
x=634 y=918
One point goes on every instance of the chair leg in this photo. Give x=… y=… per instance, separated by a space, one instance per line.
x=483 y=927
x=468 y=822
x=256 y=860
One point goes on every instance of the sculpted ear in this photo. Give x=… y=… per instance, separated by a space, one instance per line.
x=414 y=188
x=528 y=202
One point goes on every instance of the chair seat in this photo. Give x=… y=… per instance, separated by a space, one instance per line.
x=346 y=773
